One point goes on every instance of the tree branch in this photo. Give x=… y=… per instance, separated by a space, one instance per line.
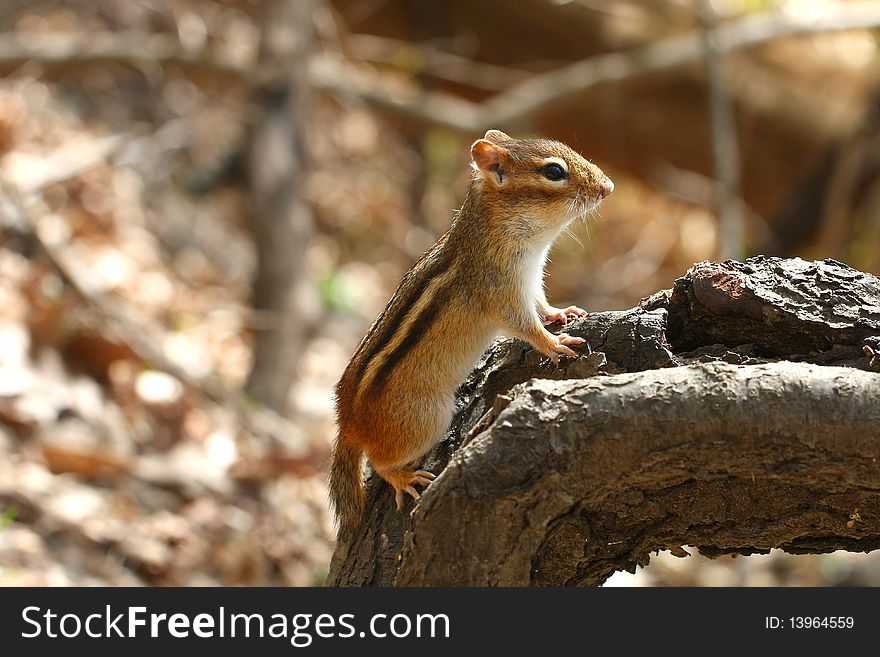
x=689 y=423
x=517 y=104
x=62 y=51
x=523 y=101
x=726 y=457
x=422 y=58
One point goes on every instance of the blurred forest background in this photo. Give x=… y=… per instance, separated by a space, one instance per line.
x=204 y=204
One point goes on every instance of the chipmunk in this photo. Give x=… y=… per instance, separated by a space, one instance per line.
x=395 y=398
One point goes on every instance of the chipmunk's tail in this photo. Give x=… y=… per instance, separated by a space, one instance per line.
x=346 y=485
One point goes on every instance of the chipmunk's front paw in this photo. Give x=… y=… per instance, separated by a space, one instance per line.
x=561 y=347
x=562 y=315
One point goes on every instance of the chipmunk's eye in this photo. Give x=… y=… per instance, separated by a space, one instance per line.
x=553 y=172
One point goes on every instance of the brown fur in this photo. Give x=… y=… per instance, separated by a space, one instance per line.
x=394 y=400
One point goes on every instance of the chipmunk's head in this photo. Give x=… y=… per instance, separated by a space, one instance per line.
x=538 y=178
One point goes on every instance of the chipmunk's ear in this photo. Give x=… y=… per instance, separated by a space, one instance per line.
x=489 y=159
x=496 y=136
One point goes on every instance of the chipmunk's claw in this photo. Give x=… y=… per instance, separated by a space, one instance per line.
x=560 y=347
x=423 y=477
x=562 y=315
x=399 y=499
x=403 y=482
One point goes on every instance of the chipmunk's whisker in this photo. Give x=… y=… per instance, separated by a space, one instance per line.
x=574 y=236
x=572 y=210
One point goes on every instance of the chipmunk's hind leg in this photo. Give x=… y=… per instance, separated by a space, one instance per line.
x=403 y=480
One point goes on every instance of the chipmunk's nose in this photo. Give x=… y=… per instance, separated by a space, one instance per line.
x=606 y=188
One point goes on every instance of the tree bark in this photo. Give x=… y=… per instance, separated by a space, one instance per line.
x=737 y=412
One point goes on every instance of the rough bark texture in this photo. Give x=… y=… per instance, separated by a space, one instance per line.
x=737 y=412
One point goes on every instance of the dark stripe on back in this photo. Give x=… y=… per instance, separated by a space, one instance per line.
x=402 y=302
x=417 y=330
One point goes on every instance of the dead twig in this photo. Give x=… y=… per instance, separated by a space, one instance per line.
x=518 y=103
x=420 y=58
x=522 y=101
x=59 y=51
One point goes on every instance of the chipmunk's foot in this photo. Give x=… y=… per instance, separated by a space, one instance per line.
x=562 y=315
x=404 y=482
